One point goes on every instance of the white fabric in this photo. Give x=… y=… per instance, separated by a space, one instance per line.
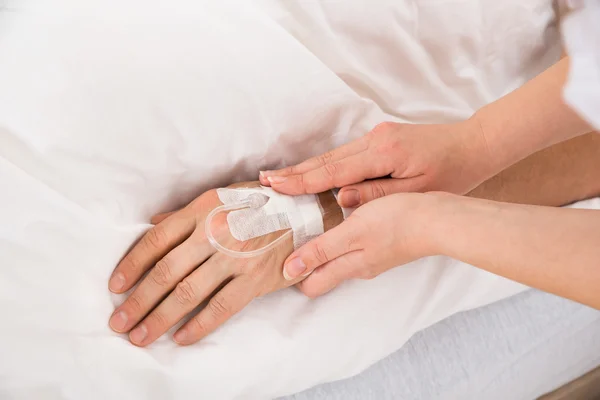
x=519 y=348
x=301 y=214
x=113 y=110
x=581 y=32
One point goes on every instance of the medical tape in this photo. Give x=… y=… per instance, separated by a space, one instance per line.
x=301 y=214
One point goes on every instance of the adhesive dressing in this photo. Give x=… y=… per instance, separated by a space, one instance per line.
x=255 y=212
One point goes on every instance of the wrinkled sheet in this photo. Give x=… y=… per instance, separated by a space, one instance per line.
x=112 y=111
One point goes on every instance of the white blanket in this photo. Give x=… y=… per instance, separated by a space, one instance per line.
x=114 y=110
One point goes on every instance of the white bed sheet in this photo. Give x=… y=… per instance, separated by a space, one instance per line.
x=111 y=111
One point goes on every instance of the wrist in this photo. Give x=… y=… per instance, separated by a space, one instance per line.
x=330 y=209
x=449 y=213
x=501 y=148
x=481 y=159
x=433 y=223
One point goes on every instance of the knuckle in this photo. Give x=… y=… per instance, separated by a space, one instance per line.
x=377 y=190
x=219 y=306
x=200 y=202
x=331 y=171
x=325 y=158
x=352 y=242
x=161 y=274
x=319 y=254
x=198 y=326
x=382 y=127
x=291 y=170
x=386 y=147
x=303 y=185
x=129 y=264
x=156 y=237
x=184 y=293
x=159 y=319
x=135 y=303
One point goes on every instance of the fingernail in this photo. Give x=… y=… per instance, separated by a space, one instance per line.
x=117 y=281
x=180 y=336
x=118 y=321
x=350 y=198
x=262 y=178
x=276 y=179
x=293 y=268
x=138 y=335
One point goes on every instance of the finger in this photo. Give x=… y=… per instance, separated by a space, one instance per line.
x=158 y=218
x=350 y=170
x=334 y=243
x=327 y=277
x=157 y=242
x=188 y=294
x=349 y=149
x=228 y=301
x=360 y=193
x=162 y=278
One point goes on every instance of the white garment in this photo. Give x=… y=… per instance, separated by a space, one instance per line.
x=581 y=33
x=114 y=110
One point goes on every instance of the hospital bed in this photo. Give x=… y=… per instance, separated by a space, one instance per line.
x=522 y=347
x=112 y=111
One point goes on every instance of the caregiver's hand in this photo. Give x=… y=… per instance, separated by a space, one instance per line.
x=185 y=271
x=379 y=235
x=410 y=158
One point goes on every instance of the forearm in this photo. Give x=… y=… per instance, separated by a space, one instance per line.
x=559 y=175
x=529 y=119
x=555 y=250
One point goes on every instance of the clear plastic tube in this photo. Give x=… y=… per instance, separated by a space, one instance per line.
x=251 y=202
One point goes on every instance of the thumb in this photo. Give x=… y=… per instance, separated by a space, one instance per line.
x=331 y=274
x=344 y=238
x=358 y=194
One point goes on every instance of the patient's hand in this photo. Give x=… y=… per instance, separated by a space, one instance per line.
x=185 y=270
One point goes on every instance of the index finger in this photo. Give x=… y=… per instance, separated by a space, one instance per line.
x=344 y=238
x=348 y=171
x=153 y=246
x=354 y=147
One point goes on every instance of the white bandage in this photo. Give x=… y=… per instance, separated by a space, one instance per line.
x=302 y=214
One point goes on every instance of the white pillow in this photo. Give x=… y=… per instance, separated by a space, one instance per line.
x=112 y=111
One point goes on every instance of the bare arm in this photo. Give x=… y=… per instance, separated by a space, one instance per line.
x=555 y=250
x=529 y=119
x=559 y=175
